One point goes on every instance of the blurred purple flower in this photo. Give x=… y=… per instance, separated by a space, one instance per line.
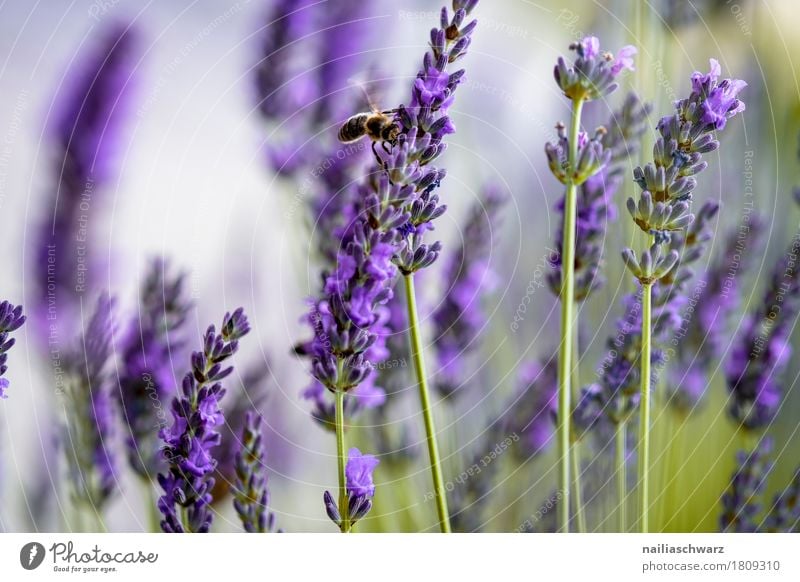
x=87 y=135
x=153 y=340
x=741 y=501
x=89 y=411
x=763 y=347
x=459 y=319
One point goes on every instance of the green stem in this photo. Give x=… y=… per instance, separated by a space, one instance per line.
x=340 y=454
x=576 y=468
x=427 y=413
x=153 y=515
x=644 y=410
x=622 y=481
x=567 y=320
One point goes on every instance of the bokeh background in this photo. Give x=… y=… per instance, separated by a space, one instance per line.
x=191 y=184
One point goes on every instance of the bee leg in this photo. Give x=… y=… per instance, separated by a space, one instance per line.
x=378 y=158
x=387 y=147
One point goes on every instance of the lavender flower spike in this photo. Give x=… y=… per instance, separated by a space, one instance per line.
x=189 y=441
x=784 y=515
x=741 y=502
x=459 y=318
x=90 y=415
x=11 y=319
x=86 y=135
x=152 y=341
x=763 y=349
x=251 y=495
x=360 y=488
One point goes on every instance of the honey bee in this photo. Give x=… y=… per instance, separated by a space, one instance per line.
x=378 y=125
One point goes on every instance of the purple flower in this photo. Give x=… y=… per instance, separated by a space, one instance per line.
x=623 y=60
x=153 y=339
x=702 y=332
x=532 y=411
x=762 y=349
x=359 y=485
x=741 y=501
x=86 y=135
x=667 y=183
x=358 y=472
x=593 y=74
x=718 y=100
x=350 y=319
x=251 y=494
x=90 y=417
x=459 y=318
x=188 y=442
x=11 y=319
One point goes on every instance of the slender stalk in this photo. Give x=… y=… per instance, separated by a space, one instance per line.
x=644 y=410
x=340 y=453
x=622 y=481
x=427 y=413
x=567 y=321
x=576 y=468
x=153 y=515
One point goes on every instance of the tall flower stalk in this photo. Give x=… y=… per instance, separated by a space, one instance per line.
x=395 y=209
x=573 y=160
x=663 y=210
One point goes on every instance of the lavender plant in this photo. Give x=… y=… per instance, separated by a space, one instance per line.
x=11 y=319
x=86 y=135
x=663 y=208
x=784 y=514
x=189 y=441
x=763 y=347
x=251 y=494
x=697 y=342
x=574 y=159
x=741 y=502
x=459 y=319
x=397 y=209
x=89 y=414
x=153 y=338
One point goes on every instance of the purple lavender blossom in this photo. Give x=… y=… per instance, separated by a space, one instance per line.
x=11 y=319
x=667 y=183
x=89 y=411
x=592 y=74
x=595 y=208
x=251 y=494
x=310 y=52
x=360 y=487
x=741 y=502
x=459 y=319
x=189 y=441
x=700 y=337
x=533 y=410
x=409 y=177
x=763 y=348
x=349 y=321
x=153 y=339
x=87 y=137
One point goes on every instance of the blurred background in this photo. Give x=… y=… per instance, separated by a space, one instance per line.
x=192 y=179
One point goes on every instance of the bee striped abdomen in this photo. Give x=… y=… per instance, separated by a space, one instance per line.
x=354 y=128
